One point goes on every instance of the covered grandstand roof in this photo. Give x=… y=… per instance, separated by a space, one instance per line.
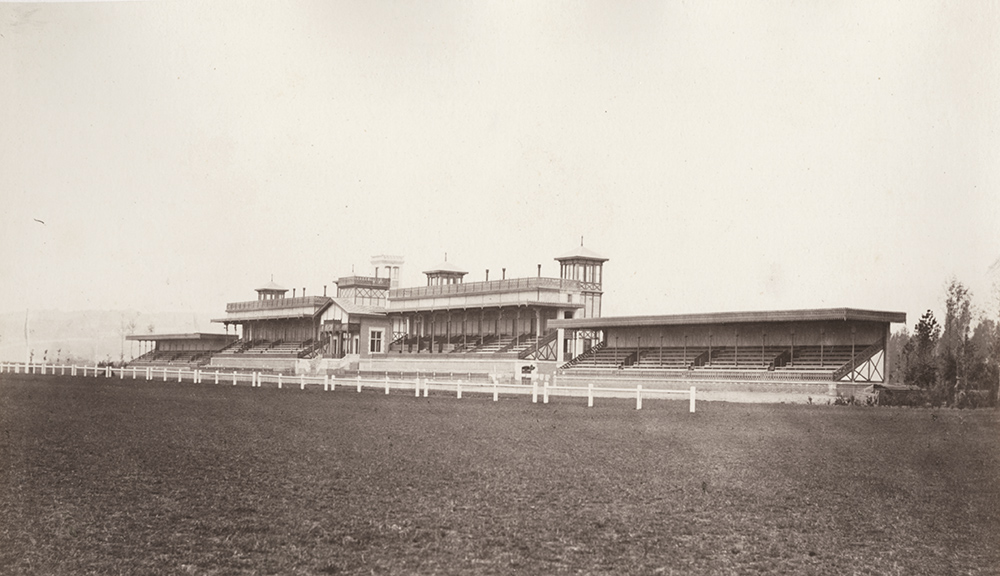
x=188 y=336
x=844 y=314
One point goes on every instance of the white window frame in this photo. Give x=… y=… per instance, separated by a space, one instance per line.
x=372 y=341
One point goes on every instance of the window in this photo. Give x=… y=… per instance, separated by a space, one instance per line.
x=375 y=341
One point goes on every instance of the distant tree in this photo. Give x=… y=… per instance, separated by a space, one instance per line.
x=896 y=351
x=921 y=369
x=953 y=350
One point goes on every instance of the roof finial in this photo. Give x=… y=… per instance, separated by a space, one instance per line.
x=272 y=277
x=581 y=240
x=445 y=256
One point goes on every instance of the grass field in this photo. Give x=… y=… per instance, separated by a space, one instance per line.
x=107 y=477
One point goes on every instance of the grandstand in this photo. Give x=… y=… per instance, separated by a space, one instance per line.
x=552 y=325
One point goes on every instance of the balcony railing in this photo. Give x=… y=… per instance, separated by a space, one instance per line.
x=370 y=281
x=277 y=303
x=511 y=285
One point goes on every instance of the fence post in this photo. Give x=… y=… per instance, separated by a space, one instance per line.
x=534 y=391
x=386 y=382
x=333 y=382
x=107 y=371
x=121 y=373
x=164 y=374
x=302 y=382
x=234 y=377
x=458 y=389
x=279 y=380
x=216 y=376
x=545 y=393
x=62 y=370
x=179 y=373
x=416 y=388
x=638 y=396
x=326 y=382
x=590 y=395
x=359 y=383
x=691 y=406
x=496 y=393
x=73 y=370
x=427 y=387
x=133 y=372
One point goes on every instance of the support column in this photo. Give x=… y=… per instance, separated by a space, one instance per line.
x=560 y=347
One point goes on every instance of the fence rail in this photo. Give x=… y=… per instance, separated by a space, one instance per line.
x=418 y=386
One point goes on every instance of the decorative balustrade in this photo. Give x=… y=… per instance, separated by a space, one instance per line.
x=277 y=303
x=511 y=285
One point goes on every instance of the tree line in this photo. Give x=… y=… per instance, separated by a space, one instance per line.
x=954 y=364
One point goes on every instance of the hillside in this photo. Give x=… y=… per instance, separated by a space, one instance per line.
x=90 y=335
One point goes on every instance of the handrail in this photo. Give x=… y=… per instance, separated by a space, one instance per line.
x=532 y=283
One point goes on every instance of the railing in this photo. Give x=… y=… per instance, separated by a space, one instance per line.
x=532 y=283
x=540 y=384
x=859 y=359
x=369 y=281
x=276 y=303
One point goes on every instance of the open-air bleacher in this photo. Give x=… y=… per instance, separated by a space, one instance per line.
x=827 y=358
x=186 y=358
x=810 y=362
x=669 y=357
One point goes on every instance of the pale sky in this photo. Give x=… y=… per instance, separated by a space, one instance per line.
x=724 y=156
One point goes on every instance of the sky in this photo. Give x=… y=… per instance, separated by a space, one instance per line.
x=173 y=156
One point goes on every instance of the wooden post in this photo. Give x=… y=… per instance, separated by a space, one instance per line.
x=216 y=376
x=279 y=380
x=387 y=383
x=534 y=391
x=302 y=382
x=234 y=377
x=545 y=393
x=427 y=387
x=326 y=382
x=691 y=403
x=416 y=388
x=164 y=374
x=496 y=392
x=179 y=370
x=638 y=396
x=359 y=382
x=590 y=395
x=458 y=389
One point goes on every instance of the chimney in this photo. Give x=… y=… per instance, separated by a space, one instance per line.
x=303 y=291
x=504 y=277
x=293 y=292
x=324 y=290
x=539 y=270
x=487 y=274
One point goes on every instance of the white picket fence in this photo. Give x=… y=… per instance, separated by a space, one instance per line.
x=419 y=386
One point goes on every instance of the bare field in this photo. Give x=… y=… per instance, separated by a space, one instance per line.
x=114 y=477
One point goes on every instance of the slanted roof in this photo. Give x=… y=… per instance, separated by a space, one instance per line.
x=581 y=252
x=446 y=267
x=271 y=287
x=358 y=309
